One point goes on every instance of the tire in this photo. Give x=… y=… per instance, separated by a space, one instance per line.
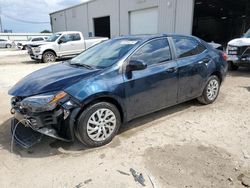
x=232 y=66
x=211 y=91
x=8 y=46
x=49 y=57
x=91 y=125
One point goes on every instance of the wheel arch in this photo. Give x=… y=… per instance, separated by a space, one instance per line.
x=104 y=98
x=50 y=50
x=218 y=74
x=6 y=45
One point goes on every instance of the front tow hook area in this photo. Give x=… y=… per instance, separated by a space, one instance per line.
x=24 y=136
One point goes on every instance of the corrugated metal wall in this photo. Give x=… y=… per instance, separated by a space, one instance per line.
x=184 y=16
x=175 y=16
x=76 y=19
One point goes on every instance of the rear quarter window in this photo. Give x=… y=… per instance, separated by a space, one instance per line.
x=186 y=47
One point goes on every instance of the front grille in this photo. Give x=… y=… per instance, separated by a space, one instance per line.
x=245 y=50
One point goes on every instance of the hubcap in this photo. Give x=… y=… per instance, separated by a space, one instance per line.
x=50 y=58
x=101 y=124
x=212 y=90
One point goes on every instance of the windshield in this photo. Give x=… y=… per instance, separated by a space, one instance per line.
x=53 y=37
x=104 y=54
x=247 y=34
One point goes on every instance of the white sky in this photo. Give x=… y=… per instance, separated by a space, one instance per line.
x=31 y=10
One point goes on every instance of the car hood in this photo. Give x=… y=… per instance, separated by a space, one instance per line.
x=36 y=44
x=240 y=42
x=50 y=79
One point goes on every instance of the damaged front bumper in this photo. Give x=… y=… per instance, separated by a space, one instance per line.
x=28 y=127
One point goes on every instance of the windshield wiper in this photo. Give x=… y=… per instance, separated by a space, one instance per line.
x=82 y=65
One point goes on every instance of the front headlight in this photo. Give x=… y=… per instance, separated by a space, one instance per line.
x=37 y=49
x=41 y=103
x=232 y=48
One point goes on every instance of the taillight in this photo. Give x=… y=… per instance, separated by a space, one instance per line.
x=224 y=56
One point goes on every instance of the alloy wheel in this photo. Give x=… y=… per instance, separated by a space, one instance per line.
x=212 y=89
x=49 y=58
x=101 y=124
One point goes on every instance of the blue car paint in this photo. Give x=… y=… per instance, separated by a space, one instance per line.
x=137 y=94
x=50 y=79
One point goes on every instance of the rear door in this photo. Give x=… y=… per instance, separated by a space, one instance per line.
x=192 y=60
x=154 y=87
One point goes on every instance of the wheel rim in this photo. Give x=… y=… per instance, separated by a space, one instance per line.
x=101 y=124
x=49 y=58
x=212 y=90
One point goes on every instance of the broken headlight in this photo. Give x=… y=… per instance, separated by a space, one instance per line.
x=37 y=49
x=43 y=102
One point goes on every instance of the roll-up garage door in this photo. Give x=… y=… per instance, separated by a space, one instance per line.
x=144 y=21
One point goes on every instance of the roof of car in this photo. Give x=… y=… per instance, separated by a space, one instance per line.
x=150 y=36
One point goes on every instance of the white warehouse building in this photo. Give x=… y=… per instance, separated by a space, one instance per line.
x=208 y=19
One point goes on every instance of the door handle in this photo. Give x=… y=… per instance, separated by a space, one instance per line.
x=204 y=61
x=171 y=70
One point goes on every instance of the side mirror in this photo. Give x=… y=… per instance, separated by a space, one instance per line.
x=60 y=41
x=134 y=65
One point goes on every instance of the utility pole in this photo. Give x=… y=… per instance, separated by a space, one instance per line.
x=1 y=24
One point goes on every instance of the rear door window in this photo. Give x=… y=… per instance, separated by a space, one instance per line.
x=37 y=39
x=187 y=47
x=153 y=52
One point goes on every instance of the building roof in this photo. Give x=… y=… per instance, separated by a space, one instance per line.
x=85 y=2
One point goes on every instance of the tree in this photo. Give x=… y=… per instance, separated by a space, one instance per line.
x=45 y=31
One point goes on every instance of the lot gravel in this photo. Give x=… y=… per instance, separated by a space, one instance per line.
x=188 y=145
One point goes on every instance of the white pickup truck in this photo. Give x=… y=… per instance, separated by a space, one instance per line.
x=61 y=45
x=238 y=51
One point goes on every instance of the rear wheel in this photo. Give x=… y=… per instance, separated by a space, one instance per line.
x=8 y=46
x=98 y=124
x=49 y=57
x=211 y=91
x=232 y=66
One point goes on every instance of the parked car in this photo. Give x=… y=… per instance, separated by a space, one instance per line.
x=23 y=45
x=60 y=45
x=6 y=43
x=238 y=51
x=112 y=83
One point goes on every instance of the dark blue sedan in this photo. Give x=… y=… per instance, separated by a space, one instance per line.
x=90 y=96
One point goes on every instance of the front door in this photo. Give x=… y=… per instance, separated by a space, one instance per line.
x=72 y=45
x=155 y=87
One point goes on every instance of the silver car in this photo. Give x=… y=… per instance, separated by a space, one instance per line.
x=6 y=43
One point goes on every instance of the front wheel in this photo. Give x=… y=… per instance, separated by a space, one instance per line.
x=211 y=91
x=49 y=57
x=232 y=66
x=98 y=124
